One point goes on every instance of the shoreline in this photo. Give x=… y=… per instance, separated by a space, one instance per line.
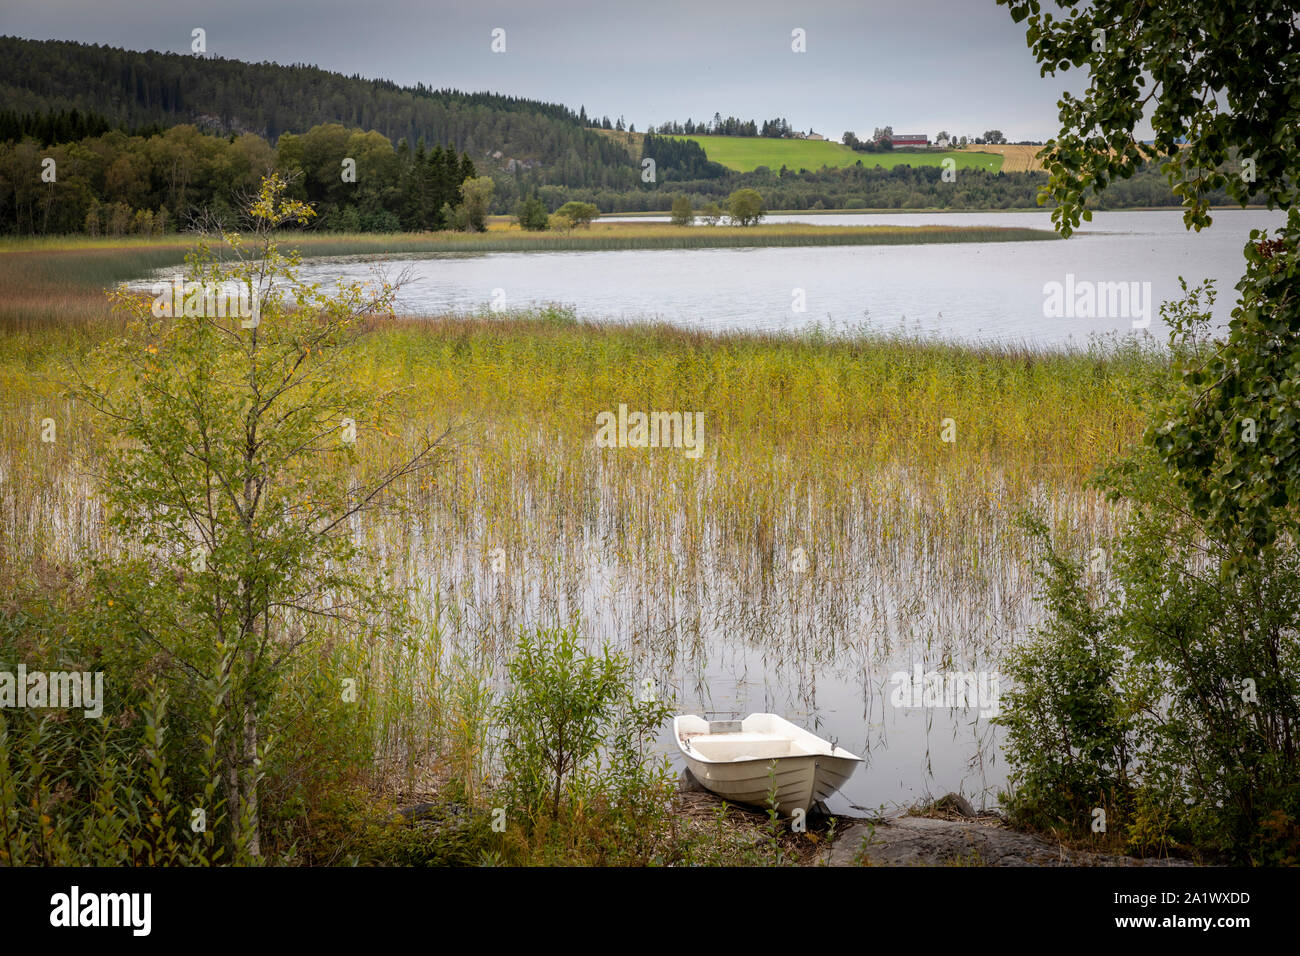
x=601 y=236
x=888 y=211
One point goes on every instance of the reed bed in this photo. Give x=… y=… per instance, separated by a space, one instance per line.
x=638 y=235
x=826 y=536
x=833 y=447
x=505 y=236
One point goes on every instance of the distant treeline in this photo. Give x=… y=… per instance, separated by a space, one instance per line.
x=61 y=126
x=132 y=90
x=852 y=187
x=115 y=183
x=868 y=186
x=778 y=128
x=678 y=159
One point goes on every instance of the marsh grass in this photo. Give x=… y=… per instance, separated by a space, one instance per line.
x=829 y=444
x=634 y=235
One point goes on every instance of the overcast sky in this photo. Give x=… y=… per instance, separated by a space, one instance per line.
x=917 y=65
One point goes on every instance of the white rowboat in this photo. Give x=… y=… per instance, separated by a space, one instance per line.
x=740 y=760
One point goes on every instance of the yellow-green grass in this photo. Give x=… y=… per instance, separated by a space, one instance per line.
x=613 y=236
x=747 y=153
x=852 y=425
x=504 y=237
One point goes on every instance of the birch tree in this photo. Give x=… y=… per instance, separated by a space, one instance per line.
x=244 y=454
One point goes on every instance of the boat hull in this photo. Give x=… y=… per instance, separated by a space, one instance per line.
x=799 y=781
x=761 y=760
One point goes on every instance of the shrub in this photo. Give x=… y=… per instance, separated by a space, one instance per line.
x=563 y=708
x=745 y=207
x=683 y=215
x=531 y=215
x=1069 y=737
x=1175 y=688
x=579 y=213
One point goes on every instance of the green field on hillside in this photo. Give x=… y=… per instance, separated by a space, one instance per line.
x=746 y=153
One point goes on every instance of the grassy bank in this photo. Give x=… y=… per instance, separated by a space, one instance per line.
x=504 y=236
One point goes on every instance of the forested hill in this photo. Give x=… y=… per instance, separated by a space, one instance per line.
x=136 y=89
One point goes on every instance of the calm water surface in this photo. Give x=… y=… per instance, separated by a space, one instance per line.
x=992 y=292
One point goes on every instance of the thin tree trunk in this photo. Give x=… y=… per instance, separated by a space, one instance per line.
x=251 y=769
x=232 y=780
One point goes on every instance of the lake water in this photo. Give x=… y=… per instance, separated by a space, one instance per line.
x=992 y=292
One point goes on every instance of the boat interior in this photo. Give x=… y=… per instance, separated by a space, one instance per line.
x=745 y=746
